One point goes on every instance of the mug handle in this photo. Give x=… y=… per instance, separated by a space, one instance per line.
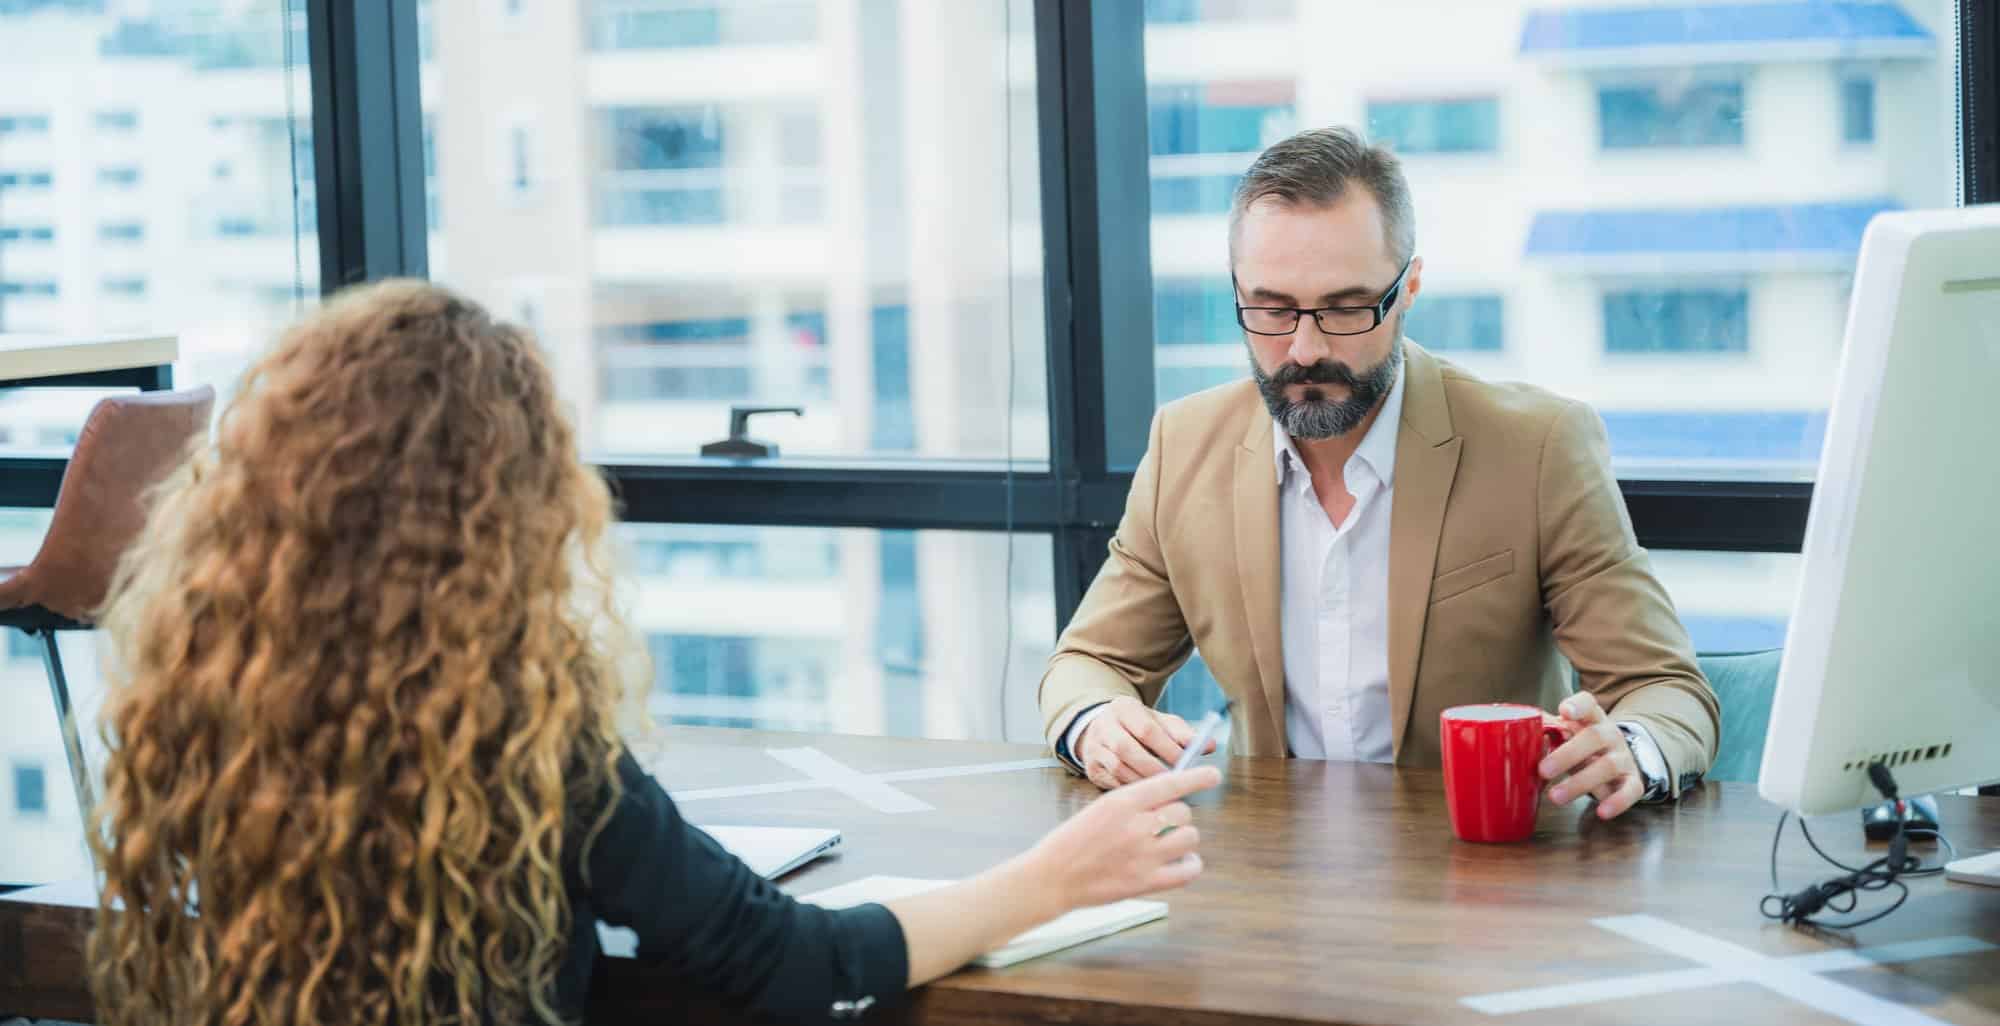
x=1554 y=735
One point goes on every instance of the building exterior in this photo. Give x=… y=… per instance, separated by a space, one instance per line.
x=834 y=204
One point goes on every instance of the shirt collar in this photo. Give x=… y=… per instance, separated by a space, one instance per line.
x=1377 y=448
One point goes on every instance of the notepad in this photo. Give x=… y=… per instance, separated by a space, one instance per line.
x=1078 y=927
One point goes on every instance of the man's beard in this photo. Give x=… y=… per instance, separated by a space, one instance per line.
x=1317 y=416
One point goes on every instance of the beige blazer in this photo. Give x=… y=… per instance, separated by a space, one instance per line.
x=1509 y=550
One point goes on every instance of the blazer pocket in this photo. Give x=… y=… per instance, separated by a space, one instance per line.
x=1472 y=575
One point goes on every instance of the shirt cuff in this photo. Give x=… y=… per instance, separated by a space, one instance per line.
x=1067 y=744
x=1652 y=762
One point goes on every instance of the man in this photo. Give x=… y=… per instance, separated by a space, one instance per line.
x=1364 y=535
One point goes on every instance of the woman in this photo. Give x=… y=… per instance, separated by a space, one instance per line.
x=365 y=685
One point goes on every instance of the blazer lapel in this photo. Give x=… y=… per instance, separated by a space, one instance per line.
x=1426 y=463
x=1256 y=502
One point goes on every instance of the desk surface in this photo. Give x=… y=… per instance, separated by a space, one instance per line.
x=1335 y=893
x=26 y=357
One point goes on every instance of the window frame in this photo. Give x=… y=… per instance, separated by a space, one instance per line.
x=1092 y=104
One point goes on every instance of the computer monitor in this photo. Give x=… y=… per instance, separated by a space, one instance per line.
x=1894 y=649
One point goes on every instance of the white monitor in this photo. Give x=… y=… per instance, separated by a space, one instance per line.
x=1894 y=649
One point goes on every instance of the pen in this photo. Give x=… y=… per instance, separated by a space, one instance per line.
x=1203 y=734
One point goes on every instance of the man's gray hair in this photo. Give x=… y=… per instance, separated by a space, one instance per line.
x=1315 y=168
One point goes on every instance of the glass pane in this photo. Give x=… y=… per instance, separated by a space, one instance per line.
x=156 y=177
x=707 y=203
x=1623 y=203
x=899 y=633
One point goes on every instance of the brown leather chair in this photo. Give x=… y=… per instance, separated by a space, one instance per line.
x=127 y=445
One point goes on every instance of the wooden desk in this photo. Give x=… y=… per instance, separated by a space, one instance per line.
x=97 y=361
x=1335 y=893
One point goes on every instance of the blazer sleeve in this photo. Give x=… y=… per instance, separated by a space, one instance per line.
x=1128 y=635
x=1611 y=617
x=707 y=919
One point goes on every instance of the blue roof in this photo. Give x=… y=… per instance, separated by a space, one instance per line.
x=1695 y=25
x=1828 y=228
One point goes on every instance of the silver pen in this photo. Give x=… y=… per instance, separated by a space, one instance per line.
x=1203 y=735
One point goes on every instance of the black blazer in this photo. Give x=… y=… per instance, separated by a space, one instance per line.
x=711 y=924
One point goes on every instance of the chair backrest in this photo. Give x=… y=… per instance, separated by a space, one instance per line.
x=1743 y=683
x=127 y=445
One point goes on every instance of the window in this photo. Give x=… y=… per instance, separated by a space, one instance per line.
x=1436 y=126
x=26 y=179
x=661 y=166
x=24 y=124
x=853 y=226
x=1458 y=324
x=691 y=24
x=1197 y=311
x=1857 y=110
x=1203 y=136
x=843 y=630
x=30 y=790
x=118 y=74
x=1674 y=321
x=1646 y=117
x=117 y=121
x=1612 y=254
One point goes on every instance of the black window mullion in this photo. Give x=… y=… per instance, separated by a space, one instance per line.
x=368 y=141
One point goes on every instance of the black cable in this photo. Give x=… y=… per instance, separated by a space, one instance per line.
x=1801 y=908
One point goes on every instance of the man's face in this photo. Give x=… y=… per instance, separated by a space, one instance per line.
x=1319 y=385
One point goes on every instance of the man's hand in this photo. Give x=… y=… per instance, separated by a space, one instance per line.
x=1595 y=760
x=1128 y=742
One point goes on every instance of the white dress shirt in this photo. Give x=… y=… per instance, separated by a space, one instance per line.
x=1334 y=600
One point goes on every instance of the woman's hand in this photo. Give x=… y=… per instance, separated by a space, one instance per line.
x=1135 y=840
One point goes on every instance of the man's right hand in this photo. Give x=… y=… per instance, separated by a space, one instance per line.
x=1127 y=742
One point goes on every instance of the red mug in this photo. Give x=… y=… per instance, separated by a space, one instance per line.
x=1492 y=754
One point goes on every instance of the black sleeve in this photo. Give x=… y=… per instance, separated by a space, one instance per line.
x=703 y=915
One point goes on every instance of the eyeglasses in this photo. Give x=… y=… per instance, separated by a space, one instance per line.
x=1333 y=320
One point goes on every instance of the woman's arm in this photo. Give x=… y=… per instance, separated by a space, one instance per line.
x=707 y=919
x=1112 y=850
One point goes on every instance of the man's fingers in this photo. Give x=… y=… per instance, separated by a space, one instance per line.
x=1147 y=729
x=1592 y=776
x=1623 y=797
x=1177 y=728
x=1582 y=707
x=1136 y=758
x=1586 y=745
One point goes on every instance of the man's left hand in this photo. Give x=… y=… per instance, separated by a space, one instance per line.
x=1595 y=760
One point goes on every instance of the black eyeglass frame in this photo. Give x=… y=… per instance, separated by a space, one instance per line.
x=1380 y=308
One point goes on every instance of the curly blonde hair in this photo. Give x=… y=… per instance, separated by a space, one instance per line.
x=364 y=688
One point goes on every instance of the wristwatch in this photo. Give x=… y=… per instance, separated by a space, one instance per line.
x=1652 y=766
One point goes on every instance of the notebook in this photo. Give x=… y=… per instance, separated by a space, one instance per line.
x=1084 y=924
x=774 y=851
